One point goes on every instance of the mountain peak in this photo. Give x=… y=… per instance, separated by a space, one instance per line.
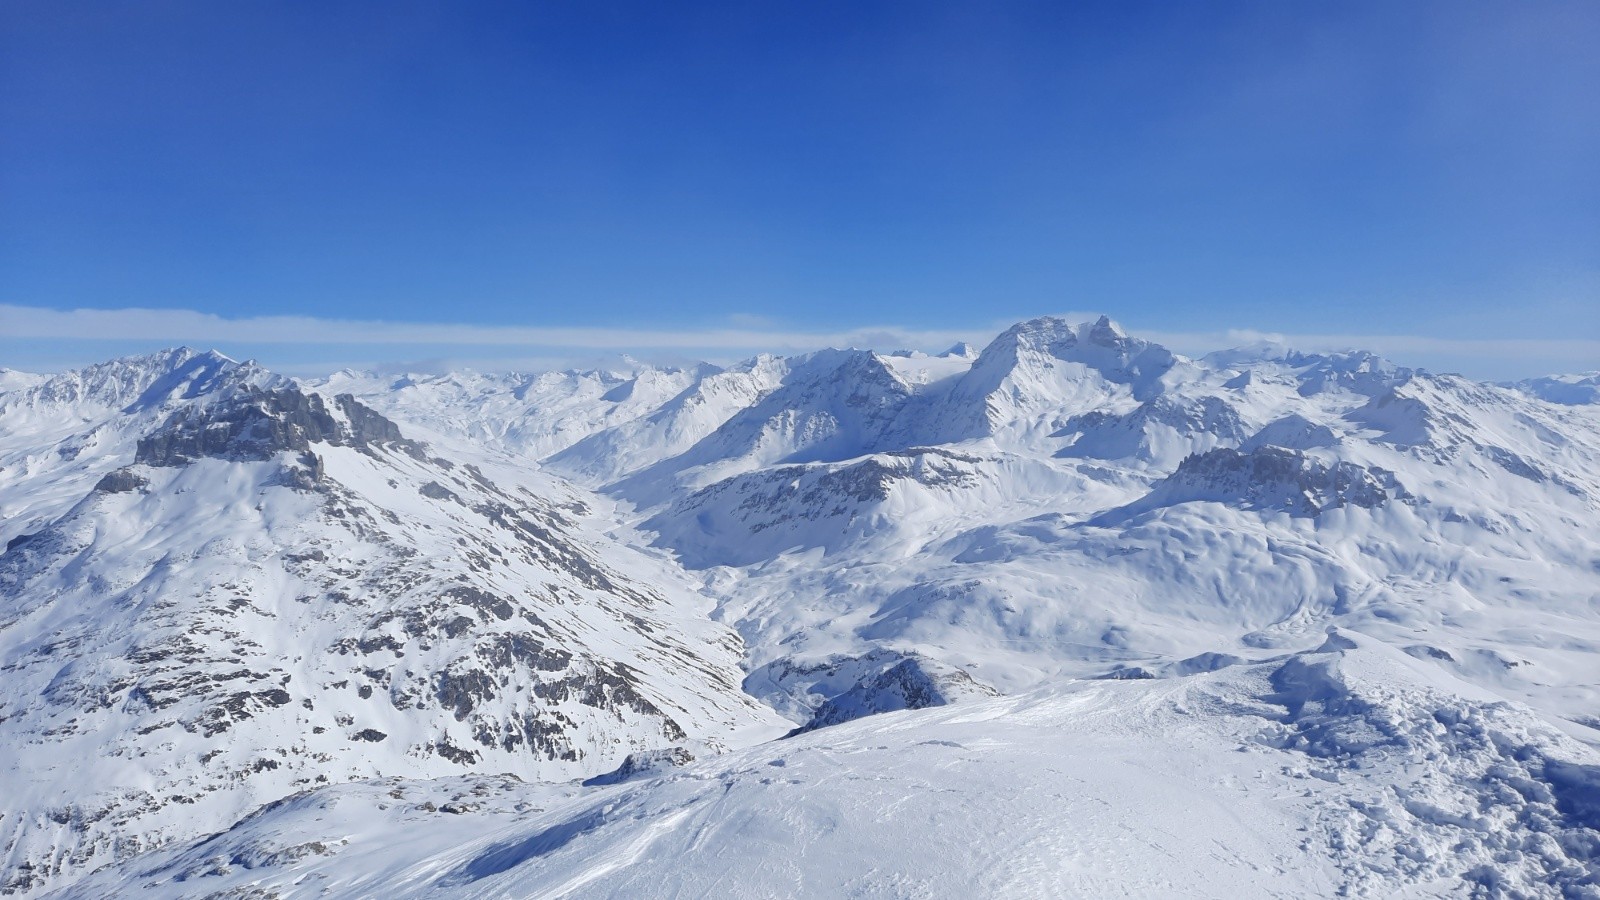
x=173 y=357
x=1054 y=333
x=1106 y=333
x=1041 y=326
x=1100 y=345
x=139 y=381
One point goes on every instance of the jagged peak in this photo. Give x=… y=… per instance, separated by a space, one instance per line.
x=1100 y=345
x=1055 y=334
x=1040 y=326
x=832 y=363
x=1106 y=332
x=255 y=423
x=1276 y=350
x=138 y=381
x=166 y=358
x=1360 y=371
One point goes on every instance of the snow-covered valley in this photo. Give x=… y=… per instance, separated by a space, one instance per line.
x=1070 y=616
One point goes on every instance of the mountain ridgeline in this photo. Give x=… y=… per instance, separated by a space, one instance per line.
x=468 y=598
x=278 y=591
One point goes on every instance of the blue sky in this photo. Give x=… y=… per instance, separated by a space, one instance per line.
x=649 y=175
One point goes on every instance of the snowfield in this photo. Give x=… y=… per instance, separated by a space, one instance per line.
x=1071 y=615
x=1313 y=774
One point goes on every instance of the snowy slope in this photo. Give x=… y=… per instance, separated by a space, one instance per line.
x=1112 y=504
x=277 y=590
x=1351 y=769
x=1072 y=498
x=1049 y=617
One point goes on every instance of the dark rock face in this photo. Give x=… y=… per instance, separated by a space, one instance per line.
x=19 y=541
x=907 y=684
x=433 y=490
x=868 y=481
x=121 y=481
x=644 y=763
x=256 y=425
x=1269 y=478
x=366 y=426
x=790 y=492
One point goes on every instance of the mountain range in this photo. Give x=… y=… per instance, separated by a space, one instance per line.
x=1069 y=614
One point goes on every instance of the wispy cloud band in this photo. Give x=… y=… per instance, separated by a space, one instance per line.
x=749 y=335
x=192 y=326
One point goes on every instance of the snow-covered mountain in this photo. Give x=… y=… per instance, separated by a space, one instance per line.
x=980 y=586
x=276 y=590
x=1568 y=390
x=1073 y=499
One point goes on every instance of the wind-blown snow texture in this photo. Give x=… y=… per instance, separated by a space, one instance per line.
x=1072 y=615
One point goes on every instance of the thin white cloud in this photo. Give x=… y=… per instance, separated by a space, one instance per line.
x=485 y=347
x=191 y=326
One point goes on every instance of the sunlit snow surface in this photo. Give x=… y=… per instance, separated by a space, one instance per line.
x=1351 y=768
x=1070 y=616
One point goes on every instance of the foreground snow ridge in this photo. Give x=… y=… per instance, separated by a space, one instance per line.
x=1071 y=615
x=1309 y=774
